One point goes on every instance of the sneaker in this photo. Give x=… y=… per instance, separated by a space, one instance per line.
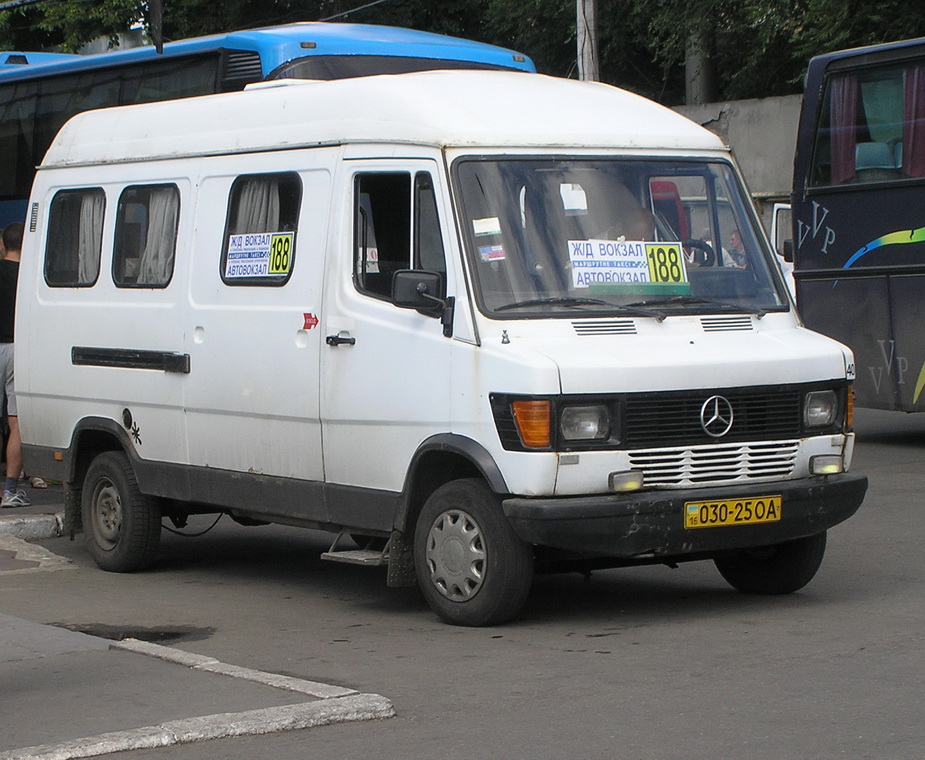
x=17 y=499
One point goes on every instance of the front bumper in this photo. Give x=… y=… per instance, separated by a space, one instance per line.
x=650 y=524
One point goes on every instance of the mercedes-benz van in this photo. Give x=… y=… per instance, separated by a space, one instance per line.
x=484 y=323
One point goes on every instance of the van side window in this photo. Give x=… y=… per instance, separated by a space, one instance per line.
x=428 y=242
x=386 y=240
x=75 y=238
x=383 y=230
x=263 y=216
x=146 y=236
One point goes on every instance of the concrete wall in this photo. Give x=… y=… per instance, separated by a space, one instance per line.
x=130 y=39
x=762 y=134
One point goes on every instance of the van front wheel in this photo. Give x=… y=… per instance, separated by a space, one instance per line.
x=780 y=569
x=122 y=525
x=471 y=566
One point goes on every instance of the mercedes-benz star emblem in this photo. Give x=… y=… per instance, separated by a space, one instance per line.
x=716 y=416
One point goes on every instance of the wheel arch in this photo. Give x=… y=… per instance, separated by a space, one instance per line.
x=439 y=460
x=91 y=437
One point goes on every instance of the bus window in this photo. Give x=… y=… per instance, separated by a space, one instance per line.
x=871 y=126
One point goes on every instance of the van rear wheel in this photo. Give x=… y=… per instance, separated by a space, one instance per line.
x=122 y=525
x=471 y=566
x=780 y=569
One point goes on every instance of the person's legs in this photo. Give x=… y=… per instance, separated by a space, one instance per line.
x=13 y=496
x=13 y=453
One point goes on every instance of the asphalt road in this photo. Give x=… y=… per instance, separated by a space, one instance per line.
x=645 y=663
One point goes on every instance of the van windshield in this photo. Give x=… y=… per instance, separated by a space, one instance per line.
x=577 y=237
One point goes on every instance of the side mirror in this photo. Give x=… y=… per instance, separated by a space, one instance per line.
x=426 y=292
x=416 y=289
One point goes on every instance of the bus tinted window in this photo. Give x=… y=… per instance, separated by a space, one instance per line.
x=871 y=126
x=347 y=66
x=170 y=79
x=35 y=101
x=32 y=113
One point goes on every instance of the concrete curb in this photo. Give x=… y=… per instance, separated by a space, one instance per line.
x=211 y=665
x=33 y=527
x=219 y=726
x=335 y=704
x=31 y=553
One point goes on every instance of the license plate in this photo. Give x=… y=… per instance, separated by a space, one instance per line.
x=722 y=512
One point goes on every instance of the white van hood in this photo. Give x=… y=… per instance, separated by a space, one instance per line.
x=680 y=353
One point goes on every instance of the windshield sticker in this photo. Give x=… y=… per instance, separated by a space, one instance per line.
x=264 y=254
x=574 y=199
x=628 y=261
x=489 y=226
x=491 y=252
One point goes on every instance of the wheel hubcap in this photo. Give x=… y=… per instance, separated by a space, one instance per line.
x=456 y=555
x=108 y=515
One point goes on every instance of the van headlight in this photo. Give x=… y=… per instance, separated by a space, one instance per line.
x=585 y=423
x=820 y=409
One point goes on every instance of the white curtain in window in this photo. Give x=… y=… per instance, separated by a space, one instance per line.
x=258 y=206
x=90 y=237
x=156 y=264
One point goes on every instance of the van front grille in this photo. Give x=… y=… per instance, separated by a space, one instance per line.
x=700 y=465
x=709 y=418
x=673 y=418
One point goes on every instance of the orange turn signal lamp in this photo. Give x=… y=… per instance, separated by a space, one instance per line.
x=534 y=422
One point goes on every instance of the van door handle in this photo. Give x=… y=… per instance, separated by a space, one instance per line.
x=337 y=340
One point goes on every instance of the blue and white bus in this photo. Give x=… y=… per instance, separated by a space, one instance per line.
x=858 y=208
x=39 y=92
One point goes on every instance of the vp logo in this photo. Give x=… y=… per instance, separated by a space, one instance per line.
x=804 y=230
x=893 y=365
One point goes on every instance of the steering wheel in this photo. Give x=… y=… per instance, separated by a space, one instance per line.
x=701 y=253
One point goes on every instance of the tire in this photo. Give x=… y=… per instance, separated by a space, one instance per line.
x=471 y=566
x=780 y=569
x=121 y=524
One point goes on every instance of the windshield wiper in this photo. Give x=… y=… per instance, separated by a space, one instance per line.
x=672 y=300
x=636 y=309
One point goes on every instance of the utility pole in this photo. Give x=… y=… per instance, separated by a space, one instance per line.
x=699 y=70
x=588 y=68
x=156 y=23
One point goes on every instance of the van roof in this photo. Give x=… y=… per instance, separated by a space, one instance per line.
x=491 y=109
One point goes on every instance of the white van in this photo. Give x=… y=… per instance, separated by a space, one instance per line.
x=464 y=315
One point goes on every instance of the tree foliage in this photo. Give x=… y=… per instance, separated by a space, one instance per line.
x=758 y=47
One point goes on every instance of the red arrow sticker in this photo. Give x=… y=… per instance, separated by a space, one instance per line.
x=311 y=321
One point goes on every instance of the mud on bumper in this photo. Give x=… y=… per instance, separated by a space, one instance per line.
x=651 y=523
